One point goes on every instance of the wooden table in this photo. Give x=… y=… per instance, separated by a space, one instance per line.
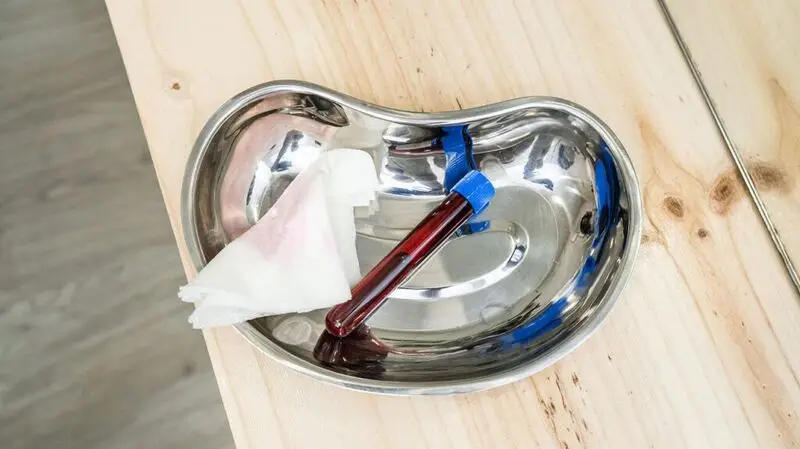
x=702 y=350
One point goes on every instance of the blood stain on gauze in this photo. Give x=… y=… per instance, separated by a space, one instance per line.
x=300 y=256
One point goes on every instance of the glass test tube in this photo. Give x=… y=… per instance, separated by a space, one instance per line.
x=425 y=239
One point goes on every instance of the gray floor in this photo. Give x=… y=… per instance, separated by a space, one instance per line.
x=95 y=351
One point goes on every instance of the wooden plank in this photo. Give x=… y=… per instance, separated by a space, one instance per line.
x=749 y=59
x=699 y=351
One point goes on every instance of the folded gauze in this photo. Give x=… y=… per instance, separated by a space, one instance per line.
x=300 y=256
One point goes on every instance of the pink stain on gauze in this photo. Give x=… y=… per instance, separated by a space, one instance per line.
x=300 y=256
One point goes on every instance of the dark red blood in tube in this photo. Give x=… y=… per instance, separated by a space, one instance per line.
x=425 y=239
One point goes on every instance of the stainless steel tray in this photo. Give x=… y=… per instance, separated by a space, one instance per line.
x=505 y=298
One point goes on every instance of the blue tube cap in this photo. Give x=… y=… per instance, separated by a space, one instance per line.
x=476 y=188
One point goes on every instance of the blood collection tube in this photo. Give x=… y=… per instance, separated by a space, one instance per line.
x=470 y=196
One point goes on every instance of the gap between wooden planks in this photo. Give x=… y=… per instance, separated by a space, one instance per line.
x=750 y=64
x=700 y=349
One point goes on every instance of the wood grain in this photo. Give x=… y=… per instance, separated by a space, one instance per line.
x=700 y=351
x=750 y=61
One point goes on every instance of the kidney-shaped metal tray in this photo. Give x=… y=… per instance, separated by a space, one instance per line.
x=507 y=296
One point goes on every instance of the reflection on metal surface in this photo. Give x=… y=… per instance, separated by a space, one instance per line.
x=508 y=295
x=360 y=353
